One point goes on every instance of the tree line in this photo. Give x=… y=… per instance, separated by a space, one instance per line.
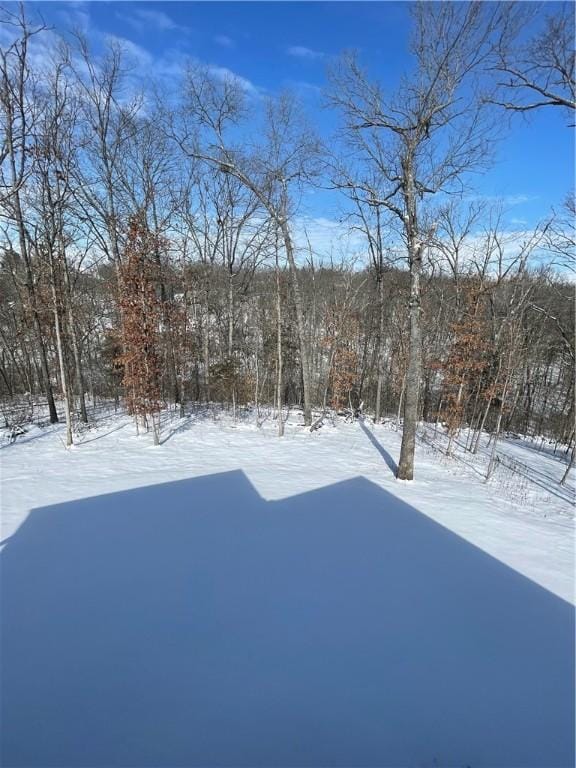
x=150 y=251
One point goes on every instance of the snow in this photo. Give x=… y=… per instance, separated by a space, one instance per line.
x=535 y=538
x=232 y=598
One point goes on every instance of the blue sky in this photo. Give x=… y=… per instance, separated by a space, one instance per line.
x=273 y=45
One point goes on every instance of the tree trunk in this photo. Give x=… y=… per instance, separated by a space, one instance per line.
x=230 y=314
x=569 y=467
x=256 y=388
x=300 y=323
x=380 y=352
x=75 y=349
x=452 y=431
x=206 y=353
x=413 y=372
x=400 y=401
x=59 y=347
x=279 y=350
x=414 y=369
x=46 y=384
x=496 y=435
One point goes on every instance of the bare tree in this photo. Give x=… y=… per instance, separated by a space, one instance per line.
x=108 y=122
x=421 y=142
x=55 y=157
x=370 y=218
x=273 y=170
x=561 y=236
x=20 y=111
x=541 y=72
x=217 y=303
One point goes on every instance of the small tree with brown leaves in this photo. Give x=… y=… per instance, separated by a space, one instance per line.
x=340 y=339
x=141 y=312
x=465 y=362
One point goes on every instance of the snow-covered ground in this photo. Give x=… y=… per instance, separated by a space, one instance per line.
x=232 y=598
x=527 y=525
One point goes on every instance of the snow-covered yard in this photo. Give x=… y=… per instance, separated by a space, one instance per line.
x=233 y=599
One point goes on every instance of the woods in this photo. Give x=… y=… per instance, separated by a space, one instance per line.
x=154 y=252
x=287 y=383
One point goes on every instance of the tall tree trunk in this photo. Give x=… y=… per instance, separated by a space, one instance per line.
x=75 y=348
x=414 y=368
x=231 y=335
x=45 y=372
x=56 y=299
x=470 y=435
x=496 y=435
x=23 y=372
x=481 y=426
x=6 y=379
x=380 y=351
x=206 y=342
x=230 y=314
x=166 y=303
x=452 y=432
x=300 y=322
x=413 y=372
x=77 y=367
x=279 y=349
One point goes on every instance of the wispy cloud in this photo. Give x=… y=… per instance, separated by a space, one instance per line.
x=506 y=200
x=76 y=16
x=304 y=88
x=333 y=240
x=144 y=18
x=224 y=41
x=134 y=52
x=301 y=52
x=223 y=73
x=173 y=64
x=329 y=238
x=515 y=244
x=518 y=199
x=42 y=49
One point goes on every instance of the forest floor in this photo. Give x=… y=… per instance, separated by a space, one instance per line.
x=232 y=598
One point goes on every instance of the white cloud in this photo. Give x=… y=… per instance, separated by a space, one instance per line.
x=304 y=88
x=169 y=67
x=223 y=73
x=513 y=246
x=173 y=64
x=224 y=41
x=505 y=200
x=135 y=53
x=301 y=52
x=329 y=239
x=143 y=18
x=76 y=16
x=334 y=240
x=42 y=48
x=517 y=199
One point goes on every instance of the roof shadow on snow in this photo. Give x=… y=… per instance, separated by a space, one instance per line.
x=194 y=623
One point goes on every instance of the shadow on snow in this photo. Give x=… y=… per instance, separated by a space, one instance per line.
x=390 y=463
x=194 y=623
